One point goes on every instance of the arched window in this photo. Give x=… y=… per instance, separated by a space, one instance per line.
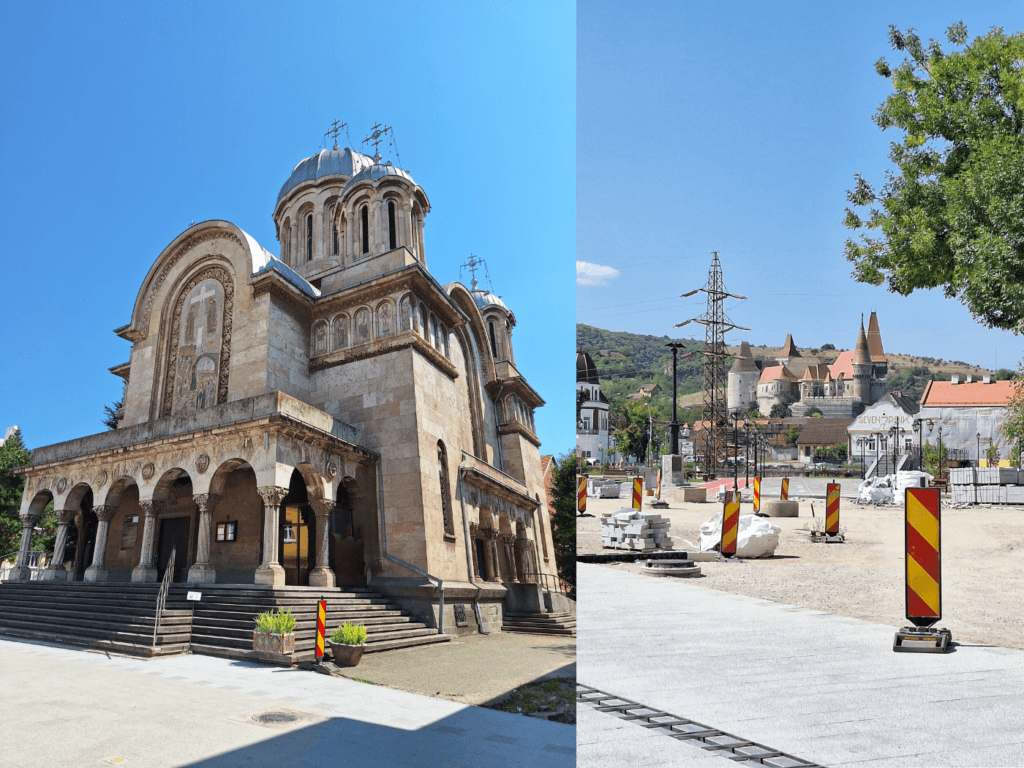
x=446 y=504
x=365 y=215
x=425 y=329
x=309 y=237
x=494 y=345
x=392 y=238
x=334 y=239
x=415 y=234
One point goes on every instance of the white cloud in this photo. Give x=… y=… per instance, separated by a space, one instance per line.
x=594 y=274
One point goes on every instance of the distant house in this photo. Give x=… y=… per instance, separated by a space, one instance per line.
x=970 y=414
x=819 y=433
x=645 y=390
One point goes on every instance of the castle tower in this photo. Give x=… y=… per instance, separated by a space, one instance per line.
x=862 y=368
x=789 y=351
x=878 y=359
x=743 y=376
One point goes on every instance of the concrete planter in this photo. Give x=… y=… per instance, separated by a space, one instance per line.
x=273 y=642
x=347 y=655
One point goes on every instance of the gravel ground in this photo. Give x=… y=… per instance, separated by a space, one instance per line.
x=982 y=565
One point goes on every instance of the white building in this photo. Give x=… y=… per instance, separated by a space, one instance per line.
x=592 y=439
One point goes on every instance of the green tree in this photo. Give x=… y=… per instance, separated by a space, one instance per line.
x=563 y=516
x=633 y=434
x=13 y=453
x=949 y=217
x=1013 y=427
x=779 y=411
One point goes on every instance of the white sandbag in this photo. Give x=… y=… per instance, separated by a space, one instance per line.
x=756 y=536
x=911 y=479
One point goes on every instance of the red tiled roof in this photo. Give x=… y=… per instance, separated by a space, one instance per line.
x=773 y=372
x=843 y=365
x=940 y=393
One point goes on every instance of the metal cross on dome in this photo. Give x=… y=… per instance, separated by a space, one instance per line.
x=335 y=129
x=375 y=137
x=472 y=265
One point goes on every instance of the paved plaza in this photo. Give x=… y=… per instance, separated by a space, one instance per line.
x=824 y=688
x=73 y=708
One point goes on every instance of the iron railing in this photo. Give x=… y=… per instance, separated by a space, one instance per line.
x=550 y=582
x=161 y=598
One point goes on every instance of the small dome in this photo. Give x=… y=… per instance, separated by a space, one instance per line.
x=586 y=371
x=326 y=162
x=486 y=299
x=377 y=171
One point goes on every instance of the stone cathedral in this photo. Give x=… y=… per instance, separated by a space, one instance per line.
x=336 y=416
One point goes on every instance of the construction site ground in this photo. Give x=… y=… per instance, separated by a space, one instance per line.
x=863 y=578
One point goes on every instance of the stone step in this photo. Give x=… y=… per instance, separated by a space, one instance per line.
x=393 y=645
x=206 y=620
x=91 y=609
x=373 y=631
x=69 y=615
x=132 y=634
x=540 y=630
x=7 y=598
x=117 y=646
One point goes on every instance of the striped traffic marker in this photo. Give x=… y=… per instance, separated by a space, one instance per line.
x=638 y=492
x=659 y=482
x=785 y=489
x=581 y=496
x=321 y=628
x=730 y=523
x=757 y=494
x=923 y=575
x=832 y=509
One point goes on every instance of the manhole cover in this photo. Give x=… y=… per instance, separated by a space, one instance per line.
x=276 y=717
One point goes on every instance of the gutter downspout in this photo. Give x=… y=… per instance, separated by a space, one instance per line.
x=392 y=558
x=469 y=551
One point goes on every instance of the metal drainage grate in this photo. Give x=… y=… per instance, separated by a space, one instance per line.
x=742 y=751
x=276 y=717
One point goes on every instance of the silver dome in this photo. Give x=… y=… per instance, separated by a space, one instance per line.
x=377 y=171
x=326 y=162
x=486 y=299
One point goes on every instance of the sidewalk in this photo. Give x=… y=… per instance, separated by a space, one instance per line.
x=824 y=688
x=74 y=708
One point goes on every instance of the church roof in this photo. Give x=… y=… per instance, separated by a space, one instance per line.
x=585 y=369
x=486 y=299
x=744 y=362
x=875 y=350
x=326 y=162
x=293 y=277
x=789 y=348
x=773 y=372
x=378 y=171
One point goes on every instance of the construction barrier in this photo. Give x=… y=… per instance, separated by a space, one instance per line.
x=832 y=509
x=659 y=483
x=757 y=494
x=638 y=493
x=321 y=628
x=581 y=496
x=785 y=489
x=923 y=575
x=730 y=523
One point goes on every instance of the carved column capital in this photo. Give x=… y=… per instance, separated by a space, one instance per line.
x=272 y=495
x=205 y=502
x=507 y=539
x=322 y=507
x=473 y=528
x=151 y=507
x=29 y=521
x=65 y=516
x=105 y=513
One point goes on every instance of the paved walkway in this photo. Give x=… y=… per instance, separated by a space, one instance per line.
x=823 y=688
x=65 y=707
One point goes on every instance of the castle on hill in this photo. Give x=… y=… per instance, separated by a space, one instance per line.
x=842 y=389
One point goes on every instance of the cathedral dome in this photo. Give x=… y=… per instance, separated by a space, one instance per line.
x=486 y=299
x=377 y=171
x=326 y=162
x=586 y=371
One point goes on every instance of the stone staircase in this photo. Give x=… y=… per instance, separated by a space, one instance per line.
x=540 y=623
x=222 y=621
x=115 y=617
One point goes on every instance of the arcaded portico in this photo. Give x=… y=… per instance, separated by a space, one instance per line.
x=333 y=417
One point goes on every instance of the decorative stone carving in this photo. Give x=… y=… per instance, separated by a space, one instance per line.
x=341 y=332
x=272 y=495
x=101 y=479
x=105 y=513
x=362 y=326
x=148 y=471
x=198 y=363
x=320 y=338
x=62 y=485
x=202 y=464
x=384 y=321
x=332 y=470
x=65 y=516
x=405 y=315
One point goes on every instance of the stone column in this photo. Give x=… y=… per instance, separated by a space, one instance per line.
x=98 y=571
x=202 y=572
x=322 y=575
x=55 y=570
x=270 y=570
x=509 y=541
x=145 y=571
x=79 y=563
x=22 y=571
x=490 y=572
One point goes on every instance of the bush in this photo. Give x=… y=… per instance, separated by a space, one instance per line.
x=349 y=634
x=280 y=623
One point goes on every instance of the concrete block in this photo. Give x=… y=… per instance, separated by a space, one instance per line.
x=779 y=508
x=693 y=494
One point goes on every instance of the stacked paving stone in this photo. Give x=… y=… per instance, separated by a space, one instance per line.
x=632 y=529
x=986 y=485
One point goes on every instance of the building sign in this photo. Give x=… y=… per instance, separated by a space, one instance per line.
x=881 y=417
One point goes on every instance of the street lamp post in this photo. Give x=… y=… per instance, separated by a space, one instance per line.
x=918 y=424
x=860 y=442
x=746 y=448
x=979 y=448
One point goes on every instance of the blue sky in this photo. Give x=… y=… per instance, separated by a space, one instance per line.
x=738 y=127
x=124 y=122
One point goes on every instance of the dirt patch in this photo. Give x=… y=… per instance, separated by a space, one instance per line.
x=982 y=568
x=553 y=700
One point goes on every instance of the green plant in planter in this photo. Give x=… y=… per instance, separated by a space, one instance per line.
x=349 y=634
x=280 y=623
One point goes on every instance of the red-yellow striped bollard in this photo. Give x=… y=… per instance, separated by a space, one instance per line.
x=321 y=628
x=832 y=509
x=581 y=496
x=757 y=494
x=638 y=493
x=785 y=489
x=923 y=574
x=730 y=523
x=659 y=482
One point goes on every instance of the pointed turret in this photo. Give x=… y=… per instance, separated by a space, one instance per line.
x=861 y=354
x=862 y=368
x=875 y=341
x=744 y=360
x=789 y=348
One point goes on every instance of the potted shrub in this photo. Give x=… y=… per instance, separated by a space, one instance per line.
x=348 y=643
x=274 y=632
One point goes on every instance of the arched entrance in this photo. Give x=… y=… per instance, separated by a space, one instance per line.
x=175 y=530
x=346 y=553
x=297 y=533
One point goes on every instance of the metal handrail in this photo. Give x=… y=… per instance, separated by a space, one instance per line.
x=161 y=599
x=557 y=583
x=33 y=557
